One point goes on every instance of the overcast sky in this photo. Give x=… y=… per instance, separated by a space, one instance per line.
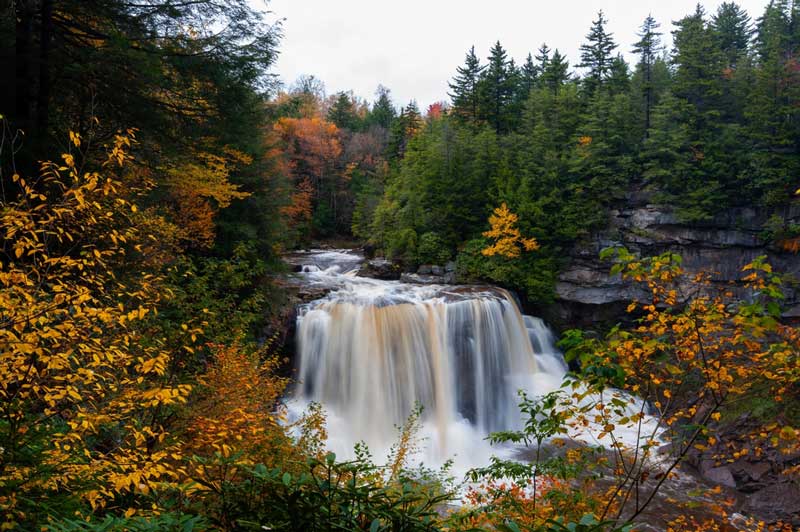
x=414 y=46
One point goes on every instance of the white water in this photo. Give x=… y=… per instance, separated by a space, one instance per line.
x=371 y=349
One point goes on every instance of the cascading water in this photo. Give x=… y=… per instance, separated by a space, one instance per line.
x=370 y=350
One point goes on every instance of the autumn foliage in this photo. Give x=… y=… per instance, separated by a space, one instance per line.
x=508 y=241
x=695 y=354
x=83 y=394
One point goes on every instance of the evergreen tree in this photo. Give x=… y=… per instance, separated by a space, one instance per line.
x=772 y=106
x=133 y=64
x=343 y=112
x=383 y=112
x=496 y=90
x=517 y=84
x=403 y=130
x=672 y=164
x=596 y=54
x=556 y=72
x=542 y=60
x=529 y=73
x=619 y=76
x=648 y=48
x=602 y=159
x=698 y=69
x=732 y=29
x=464 y=88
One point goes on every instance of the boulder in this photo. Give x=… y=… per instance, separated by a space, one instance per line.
x=425 y=269
x=775 y=502
x=368 y=250
x=719 y=475
x=417 y=278
x=380 y=269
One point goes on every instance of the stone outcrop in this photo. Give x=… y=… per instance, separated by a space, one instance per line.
x=432 y=274
x=587 y=294
x=761 y=487
x=380 y=268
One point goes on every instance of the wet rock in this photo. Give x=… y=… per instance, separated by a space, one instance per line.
x=368 y=250
x=425 y=269
x=719 y=475
x=450 y=266
x=309 y=293
x=746 y=471
x=775 y=502
x=417 y=278
x=380 y=269
x=437 y=270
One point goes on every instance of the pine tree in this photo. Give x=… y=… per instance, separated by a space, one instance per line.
x=772 y=109
x=596 y=54
x=343 y=112
x=542 y=59
x=403 y=130
x=602 y=158
x=648 y=47
x=733 y=31
x=496 y=90
x=716 y=155
x=464 y=88
x=383 y=112
x=556 y=72
x=698 y=69
x=619 y=76
x=528 y=76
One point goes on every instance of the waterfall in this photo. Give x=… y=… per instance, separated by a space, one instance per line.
x=371 y=350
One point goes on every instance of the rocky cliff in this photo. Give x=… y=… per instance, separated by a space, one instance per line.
x=588 y=296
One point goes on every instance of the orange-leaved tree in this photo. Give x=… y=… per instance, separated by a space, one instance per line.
x=84 y=394
x=234 y=423
x=508 y=240
x=199 y=183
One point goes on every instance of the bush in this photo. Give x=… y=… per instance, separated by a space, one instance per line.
x=432 y=249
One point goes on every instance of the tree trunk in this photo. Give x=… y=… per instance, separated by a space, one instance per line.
x=43 y=96
x=24 y=86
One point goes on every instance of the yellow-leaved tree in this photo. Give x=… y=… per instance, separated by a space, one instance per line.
x=84 y=392
x=508 y=241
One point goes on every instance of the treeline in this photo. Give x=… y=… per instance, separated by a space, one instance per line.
x=711 y=124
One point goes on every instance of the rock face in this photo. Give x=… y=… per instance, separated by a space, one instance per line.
x=762 y=489
x=587 y=295
x=380 y=269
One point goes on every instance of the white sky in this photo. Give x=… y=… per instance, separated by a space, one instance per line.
x=414 y=46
